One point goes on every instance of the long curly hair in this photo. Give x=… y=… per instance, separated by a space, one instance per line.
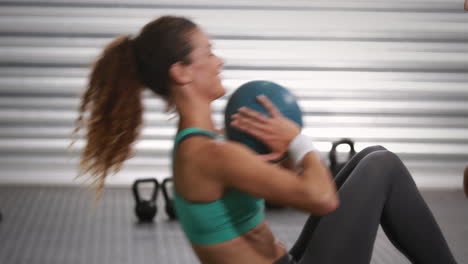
x=111 y=107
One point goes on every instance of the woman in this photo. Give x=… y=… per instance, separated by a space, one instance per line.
x=218 y=183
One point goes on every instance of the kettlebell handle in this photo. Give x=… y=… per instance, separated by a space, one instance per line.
x=139 y=181
x=164 y=188
x=332 y=154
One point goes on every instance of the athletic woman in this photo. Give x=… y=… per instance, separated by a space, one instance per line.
x=220 y=185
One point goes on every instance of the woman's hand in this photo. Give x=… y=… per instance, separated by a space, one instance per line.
x=275 y=131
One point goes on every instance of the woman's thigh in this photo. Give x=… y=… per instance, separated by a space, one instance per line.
x=300 y=245
x=348 y=233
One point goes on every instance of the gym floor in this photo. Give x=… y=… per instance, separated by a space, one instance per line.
x=57 y=225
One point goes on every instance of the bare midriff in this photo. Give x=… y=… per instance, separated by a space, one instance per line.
x=257 y=246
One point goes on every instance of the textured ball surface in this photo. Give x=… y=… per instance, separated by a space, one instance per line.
x=246 y=95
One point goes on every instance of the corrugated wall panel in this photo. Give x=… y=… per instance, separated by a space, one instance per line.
x=393 y=73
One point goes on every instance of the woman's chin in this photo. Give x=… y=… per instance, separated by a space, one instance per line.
x=221 y=92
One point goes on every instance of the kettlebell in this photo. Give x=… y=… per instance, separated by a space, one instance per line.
x=336 y=166
x=145 y=210
x=170 y=210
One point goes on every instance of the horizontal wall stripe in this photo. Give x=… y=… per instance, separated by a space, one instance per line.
x=351 y=78
x=25 y=118
x=96 y=44
x=414 y=6
x=149 y=161
x=413 y=151
x=307 y=106
x=416 y=68
x=295 y=55
x=409 y=135
x=316 y=88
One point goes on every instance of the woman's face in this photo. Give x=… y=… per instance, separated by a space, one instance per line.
x=205 y=67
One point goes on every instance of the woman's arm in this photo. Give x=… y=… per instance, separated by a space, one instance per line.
x=235 y=166
x=289 y=164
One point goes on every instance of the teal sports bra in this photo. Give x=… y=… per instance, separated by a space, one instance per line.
x=221 y=220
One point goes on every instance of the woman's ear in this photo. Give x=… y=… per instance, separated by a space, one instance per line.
x=180 y=73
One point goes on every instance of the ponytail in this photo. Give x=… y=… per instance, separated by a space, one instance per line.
x=113 y=99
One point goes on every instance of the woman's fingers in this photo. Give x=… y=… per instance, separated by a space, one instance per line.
x=250 y=126
x=249 y=130
x=269 y=106
x=253 y=114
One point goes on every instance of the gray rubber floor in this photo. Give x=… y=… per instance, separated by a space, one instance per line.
x=60 y=225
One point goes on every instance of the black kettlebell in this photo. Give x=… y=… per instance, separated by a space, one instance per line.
x=170 y=210
x=336 y=166
x=145 y=210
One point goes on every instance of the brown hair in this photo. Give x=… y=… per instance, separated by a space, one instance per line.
x=114 y=91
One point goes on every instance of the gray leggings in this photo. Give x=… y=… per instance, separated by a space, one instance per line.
x=374 y=188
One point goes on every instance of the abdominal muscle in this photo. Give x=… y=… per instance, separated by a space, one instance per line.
x=257 y=246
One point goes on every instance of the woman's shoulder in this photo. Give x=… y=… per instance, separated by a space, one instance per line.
x=220 y=150
x=210 y=158
x=196 y=169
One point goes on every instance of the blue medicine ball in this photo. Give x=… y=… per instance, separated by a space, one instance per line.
x=246 y=95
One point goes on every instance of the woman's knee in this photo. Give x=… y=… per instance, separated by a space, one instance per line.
x=382 y=159
x=375 y=169
x=371 y=149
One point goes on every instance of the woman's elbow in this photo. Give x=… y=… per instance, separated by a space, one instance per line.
x=332 y=204
x=329 y=204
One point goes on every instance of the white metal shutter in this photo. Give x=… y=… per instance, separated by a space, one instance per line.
x=393 y=73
